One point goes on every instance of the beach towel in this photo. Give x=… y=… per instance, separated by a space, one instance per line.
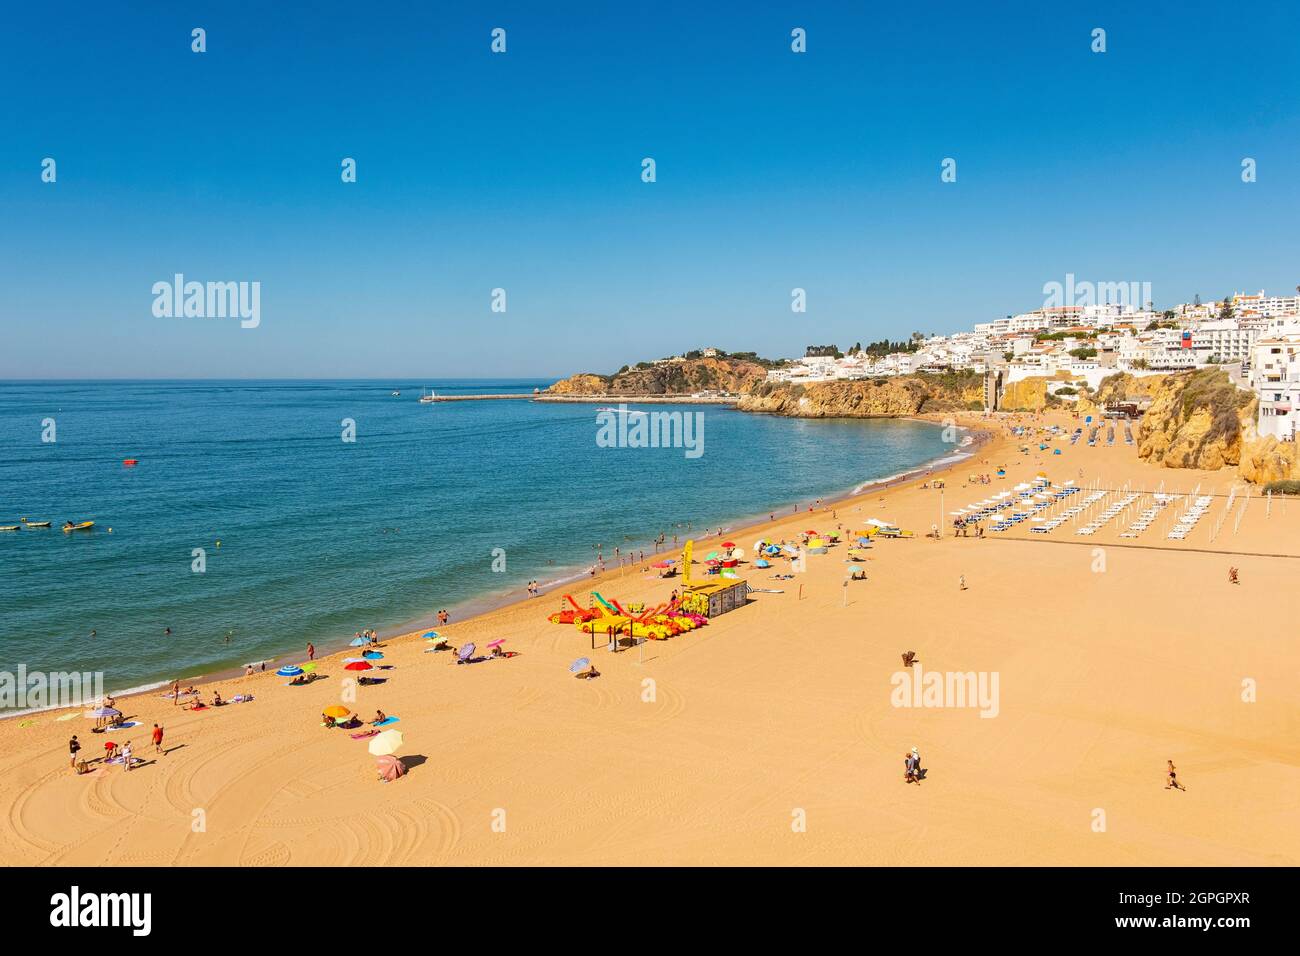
x=386 y=721
x=363 y=736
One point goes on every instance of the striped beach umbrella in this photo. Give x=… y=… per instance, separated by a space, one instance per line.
x=289 y=670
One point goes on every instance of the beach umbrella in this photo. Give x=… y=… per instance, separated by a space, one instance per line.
x=738 y=553
x=760 y=563
x=358 y=642
x=758 y=545
x=373 y=656
x=390 y=768
x=582 y=663
x=99 y=713
x=336 y=711
x=430 y=635
x=466 y=652
x=289 y=670
x=711 y=555
x=386 y=743
x=728 y=544
x=497 y=643
x=359 y=666
x=662 y=564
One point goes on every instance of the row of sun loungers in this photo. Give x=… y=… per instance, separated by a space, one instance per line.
x=1103 y=519
x=1148 y=515
x=1034 y=507
x=1187 y=520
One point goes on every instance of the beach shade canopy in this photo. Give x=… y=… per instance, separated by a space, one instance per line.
x=101 y=712
x=359 y=666
x=581 y=664
x=662 y=564
x=358 y=642
x=390 y=768
x=760 y=563
x=430 y=635
x=497 y=643
x=336 y=711
x=373 y=656
x=738 y=553
x=466 y=652
x=289 y=670
x=388 y=742
x=728 y=544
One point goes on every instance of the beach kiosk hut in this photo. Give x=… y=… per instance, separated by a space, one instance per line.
x=711 y=597
x=717 y=597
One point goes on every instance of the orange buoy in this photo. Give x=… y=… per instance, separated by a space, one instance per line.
x=130 y=461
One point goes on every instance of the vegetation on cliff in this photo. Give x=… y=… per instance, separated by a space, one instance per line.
x=731 y=375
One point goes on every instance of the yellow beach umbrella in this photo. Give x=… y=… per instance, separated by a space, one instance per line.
x=336 y=711
x=388 y=742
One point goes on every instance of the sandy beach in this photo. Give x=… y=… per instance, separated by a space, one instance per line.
x=771 y=736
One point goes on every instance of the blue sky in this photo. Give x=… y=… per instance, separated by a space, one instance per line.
x=522 y=171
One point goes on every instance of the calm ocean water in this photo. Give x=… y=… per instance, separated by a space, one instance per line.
x=321 y=538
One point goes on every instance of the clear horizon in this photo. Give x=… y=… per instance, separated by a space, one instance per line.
x=522 y=171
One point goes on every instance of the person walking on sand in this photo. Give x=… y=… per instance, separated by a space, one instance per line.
x=126 y=755
x=1232 y=576
x=73 y=747
x=157 y=739
x=961 y=582
x=311 y=651
x=1172 y=772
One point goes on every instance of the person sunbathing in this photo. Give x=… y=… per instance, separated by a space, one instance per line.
x=587 y=674
x=299 y=681
x=380 y=717
x=498 y=652
x=909 y=658
x=216 y=699
x=329 y=721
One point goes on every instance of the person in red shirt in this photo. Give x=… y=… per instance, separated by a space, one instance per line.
x=157 y=739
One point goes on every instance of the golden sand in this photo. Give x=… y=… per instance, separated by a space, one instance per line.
x=768 y=736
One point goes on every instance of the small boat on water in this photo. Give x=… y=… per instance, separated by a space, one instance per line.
x=8 y=527
x=35 y=524
x=130 y=462
x=79 y=526
x=430 y=398
x=396 y=394
x=622 y=411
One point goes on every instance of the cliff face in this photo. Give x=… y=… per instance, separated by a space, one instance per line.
x=1196 y=419
x=870 y=398
x=675 y=378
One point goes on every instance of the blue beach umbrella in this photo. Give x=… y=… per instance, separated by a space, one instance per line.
x=373 y=656
x=430 y=635
x=289 y=670
x=582 y=663
x=358 y=642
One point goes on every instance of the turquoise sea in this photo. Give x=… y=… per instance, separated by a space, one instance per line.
x=320 y=537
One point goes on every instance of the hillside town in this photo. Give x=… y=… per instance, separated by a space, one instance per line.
x=1254 y=337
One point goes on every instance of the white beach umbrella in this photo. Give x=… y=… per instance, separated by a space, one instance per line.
x=388 y=742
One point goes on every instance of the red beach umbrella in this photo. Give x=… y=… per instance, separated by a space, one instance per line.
x=359 y=666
